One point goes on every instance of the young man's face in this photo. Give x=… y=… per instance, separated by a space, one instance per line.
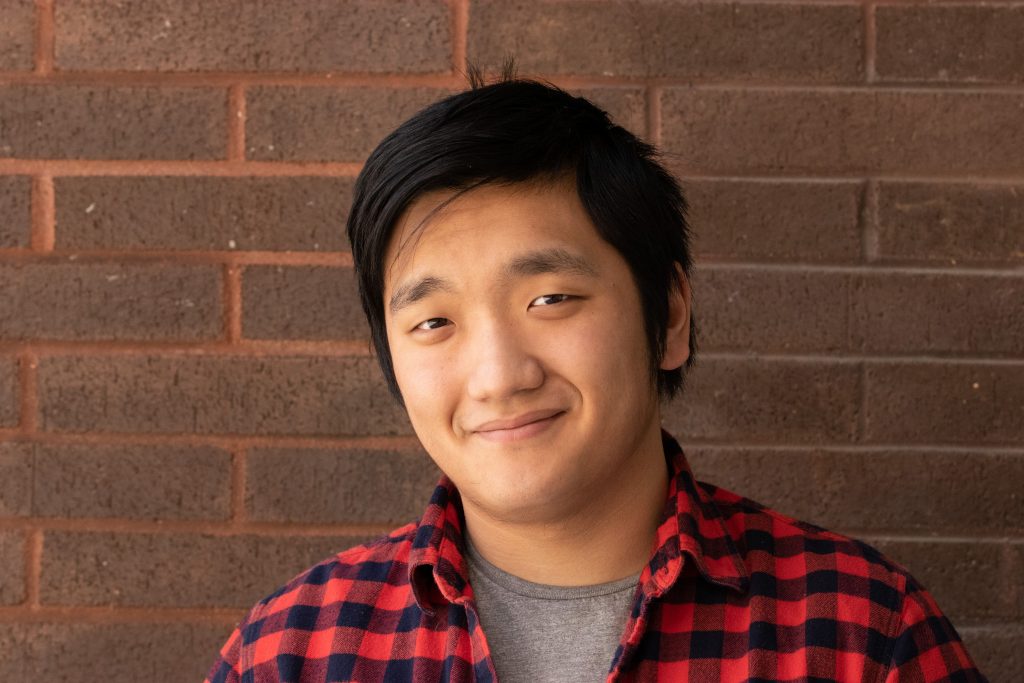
x=517 y=338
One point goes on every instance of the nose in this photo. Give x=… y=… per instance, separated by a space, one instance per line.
x=500 y=364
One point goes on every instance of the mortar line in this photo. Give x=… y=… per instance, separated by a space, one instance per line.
x=33 y=568
x=28 y=378
x=236 y=122
x=870 y=42
x=44 y=38
x=232 y=303
x=652 y=97
x=460 y=36
x=44 y=210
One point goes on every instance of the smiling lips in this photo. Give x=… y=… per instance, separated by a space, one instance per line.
x=519 y=427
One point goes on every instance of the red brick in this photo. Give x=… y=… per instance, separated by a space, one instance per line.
x=265 y=35
x=992 y=570
x=73 y=653
x=769 y=400
x=922 y=313
x=174 y=569
x=729 y=130
x=203 y=213
x=140 y=482
x=9 y=408
x=110 y=301
x=951 y=42
x=951 y=222
x=96 y=122
x=327 y=124
x=309 y=302
x=775 y=221
x=16 y=208
x=15 y=479
x=12 y=568
x=674 y=40
x=937 y=402
x=216 y=395
x=998 y=650
x=17 y=28
x=338 y=486
x=627 y=106
x=751 y=309
x=886 y=491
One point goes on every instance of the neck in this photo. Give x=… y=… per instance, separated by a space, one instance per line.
x=604 y=535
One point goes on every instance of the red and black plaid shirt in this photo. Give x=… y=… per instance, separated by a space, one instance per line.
x=733 y=592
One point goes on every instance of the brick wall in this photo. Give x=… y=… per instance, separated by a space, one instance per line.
x=189 y=413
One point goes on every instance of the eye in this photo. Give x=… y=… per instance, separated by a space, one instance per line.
x=432 y=324
x=550 y=299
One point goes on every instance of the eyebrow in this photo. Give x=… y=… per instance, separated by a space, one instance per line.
x=540 y=262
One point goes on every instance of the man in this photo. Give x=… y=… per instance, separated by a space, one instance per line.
x=524 y=266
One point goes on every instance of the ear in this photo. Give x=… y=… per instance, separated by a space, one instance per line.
x=677 y=332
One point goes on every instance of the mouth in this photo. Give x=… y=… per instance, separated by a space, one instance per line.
x=519 y=427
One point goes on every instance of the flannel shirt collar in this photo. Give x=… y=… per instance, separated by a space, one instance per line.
x=691 y=527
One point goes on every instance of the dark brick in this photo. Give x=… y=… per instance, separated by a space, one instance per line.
x=307 y=302
x=17 y=28
x=266 y=35
x=12 y=568
x=211 y=213
x=627 y=106
x=778 y=221
x=217 y=395
x=78 y=653
x=16 y=211
x=327 y=124
x=174 y=569
x=954 y=42
x=940 y=313
x=95 y=122
x=951 y=222
x=886 y=491
x=15 y=479
x=748 y=309
x=998 y=650
x=936 y=402
x=729 y=130
x=110 y=301
x=141 y=482
x=673 y=40
x=770 y=400
x=338 y=486
x=9 y=408
x=991 y=569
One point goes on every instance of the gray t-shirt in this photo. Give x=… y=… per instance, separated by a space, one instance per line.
x=539 y=633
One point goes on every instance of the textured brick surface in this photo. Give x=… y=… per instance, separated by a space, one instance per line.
x=279 y=302
x=314 y=396
x=769 y=400
x=343 y=486
x=141 y=482
x=9 y=408
x=15 y=479
x=935 y=402
x=626 y=106
x=326 y=124
x=998 y=650
x=857 y=131
x=778 y=221
x=110 y=301
x=174 y=570
x=15 y=211
x=12 y=568
x=291 y=213
x=954 y=42
x=951 y=222
x=17 y=24
x=81 y=653
x=946 y=567
x=940 y=313
x=745 y=309
x=72 y=121
x=316 y=35
x=692 y=40
x=892 y=491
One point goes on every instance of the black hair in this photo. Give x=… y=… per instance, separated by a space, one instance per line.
x=519 y=131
